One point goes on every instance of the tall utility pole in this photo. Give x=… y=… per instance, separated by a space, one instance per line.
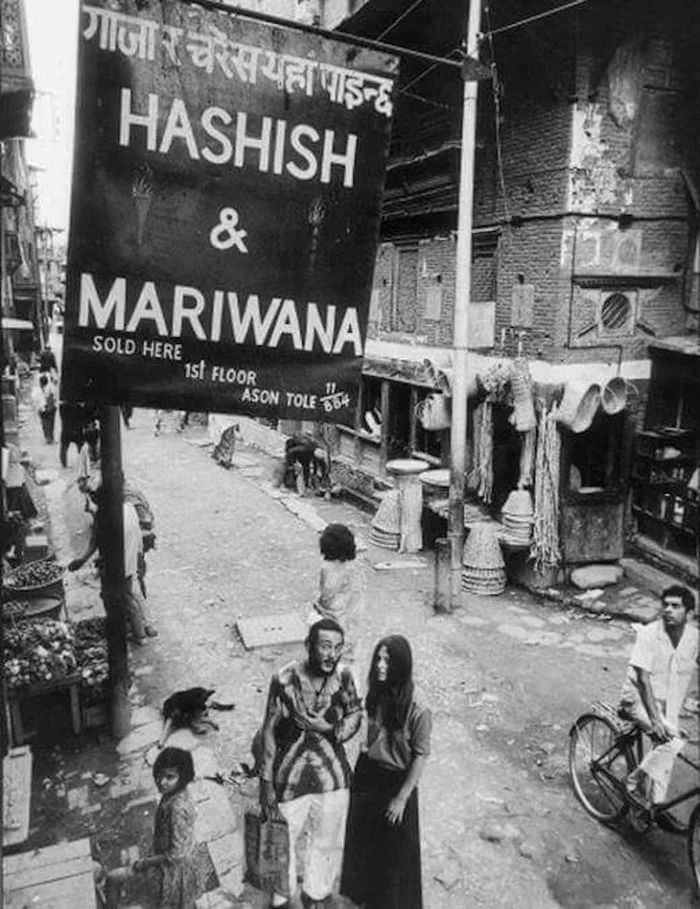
x=113 y=581
x=458 y=434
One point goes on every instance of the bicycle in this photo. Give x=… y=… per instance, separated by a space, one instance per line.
x=603 y=750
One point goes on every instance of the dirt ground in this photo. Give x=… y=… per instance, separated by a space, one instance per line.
x=505 y=677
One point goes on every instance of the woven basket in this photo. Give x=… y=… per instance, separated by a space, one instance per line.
x=388 y=516
x=579 y=405
x=613 y=397
x=385 y=540
x=518 y=504
x=482 y=587
x=482 y=574
x=482 y=549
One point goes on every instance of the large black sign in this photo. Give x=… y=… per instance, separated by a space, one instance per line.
x=225 y=212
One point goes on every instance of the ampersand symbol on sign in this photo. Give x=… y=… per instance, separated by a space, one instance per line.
x=225 y=234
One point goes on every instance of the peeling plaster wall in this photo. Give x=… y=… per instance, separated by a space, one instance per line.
x=595 y=181
x=627 y=148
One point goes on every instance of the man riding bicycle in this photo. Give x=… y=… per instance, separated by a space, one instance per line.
x=658 y=677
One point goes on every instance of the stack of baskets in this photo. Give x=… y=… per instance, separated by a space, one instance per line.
x=483 y=568
x=386 y=526
x=518 y=516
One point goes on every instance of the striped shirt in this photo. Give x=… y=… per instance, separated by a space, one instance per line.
x=301 y=761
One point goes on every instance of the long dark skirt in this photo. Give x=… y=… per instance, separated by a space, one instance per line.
x=381 y=864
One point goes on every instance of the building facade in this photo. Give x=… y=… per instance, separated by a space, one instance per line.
x=585 y=257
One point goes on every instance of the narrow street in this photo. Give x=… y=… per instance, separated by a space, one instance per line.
x=505 y=677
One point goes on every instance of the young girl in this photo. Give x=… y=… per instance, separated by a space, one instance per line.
x=173 y=837
x=341 y=589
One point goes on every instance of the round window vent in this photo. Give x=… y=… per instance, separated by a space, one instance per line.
x=616 y=312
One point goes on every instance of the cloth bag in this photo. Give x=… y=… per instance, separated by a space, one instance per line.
x=267 y=852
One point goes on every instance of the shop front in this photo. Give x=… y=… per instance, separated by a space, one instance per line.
x=665 y=466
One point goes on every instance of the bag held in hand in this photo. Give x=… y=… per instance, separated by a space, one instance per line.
x=267 y=852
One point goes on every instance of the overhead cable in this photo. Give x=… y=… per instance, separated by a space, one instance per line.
x=521 y=22
x=332 y=34
x=406 y=12
x=496 y=88
x=429 y=69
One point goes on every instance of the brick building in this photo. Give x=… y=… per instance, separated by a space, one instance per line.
x=585 y=254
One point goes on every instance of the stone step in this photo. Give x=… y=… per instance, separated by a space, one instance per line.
x=647 y=576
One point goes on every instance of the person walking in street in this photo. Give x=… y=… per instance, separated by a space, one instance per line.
x=127 y=412
x=73 y=419
x=658 y=678
x=88 y=456
x=174 y=849
x=45 y=402
x=381 y=863
x=47 y=362
x=313 y=708
x=134 y=603
x=341 y=593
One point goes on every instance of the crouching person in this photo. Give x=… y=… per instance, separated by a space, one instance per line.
x=313 y=708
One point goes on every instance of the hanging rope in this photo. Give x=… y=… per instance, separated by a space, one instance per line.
x=545 y=551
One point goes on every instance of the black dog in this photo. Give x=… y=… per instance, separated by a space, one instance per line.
x=189 y=709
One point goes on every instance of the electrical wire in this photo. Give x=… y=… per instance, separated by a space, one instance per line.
x=496 y=88
x=429 y=69
x=543 y=15
x=406 y=12
x=425 y=100
x=333 y=34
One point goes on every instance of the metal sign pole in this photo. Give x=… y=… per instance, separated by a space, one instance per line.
x=458 y=435
x=113 y=581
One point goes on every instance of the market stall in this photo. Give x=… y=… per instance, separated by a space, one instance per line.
x=55 y=669
x=666 y=460
x=548 y=470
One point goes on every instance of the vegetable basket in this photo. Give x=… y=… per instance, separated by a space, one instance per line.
x=44 y=576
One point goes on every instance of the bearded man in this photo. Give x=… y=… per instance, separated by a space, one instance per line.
x=313 y=708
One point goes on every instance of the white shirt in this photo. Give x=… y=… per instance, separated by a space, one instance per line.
x=670 y=667
x=132 y=540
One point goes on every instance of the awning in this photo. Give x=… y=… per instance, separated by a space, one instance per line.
x=9 y=323
x=688 y=345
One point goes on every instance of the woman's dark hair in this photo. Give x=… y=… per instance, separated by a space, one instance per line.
x=393 y=697
x=337 y=543
x=176 y=759
x=685 y=595
x=318 y=627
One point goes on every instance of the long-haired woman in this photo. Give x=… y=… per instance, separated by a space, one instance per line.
x=381 y=863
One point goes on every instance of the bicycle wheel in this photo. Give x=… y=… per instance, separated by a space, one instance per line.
x=599 y=767
x=694 y=845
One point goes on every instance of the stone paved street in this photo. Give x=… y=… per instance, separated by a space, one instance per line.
x=505 y=677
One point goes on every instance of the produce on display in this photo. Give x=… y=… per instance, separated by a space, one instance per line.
x=34 y=575
x=14 y=609
x=41 y=652
x=91 y=652
x=38 y=652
